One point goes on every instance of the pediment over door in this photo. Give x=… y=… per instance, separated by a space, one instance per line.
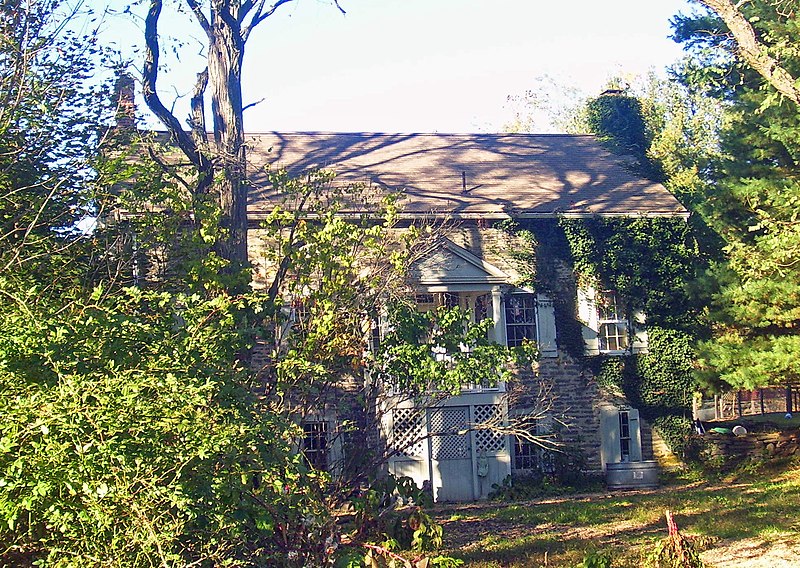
x=451 y=264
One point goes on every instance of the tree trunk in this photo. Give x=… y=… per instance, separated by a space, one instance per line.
x=226 y=51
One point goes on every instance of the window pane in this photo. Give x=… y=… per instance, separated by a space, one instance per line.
x=613 y=336
x=483 y=307
x=609 y=306
x=520 y=311
x=525 y=455
x=315 y=444
x=624 y=436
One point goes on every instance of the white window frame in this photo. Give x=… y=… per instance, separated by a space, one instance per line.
x=533 y=308
x=590 y=315
x=612 y=317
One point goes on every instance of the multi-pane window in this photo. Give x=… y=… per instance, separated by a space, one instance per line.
x=526 y=454
x=428 y=302
x=613 y=325
x=625 y=436
x=301 y=316
x=520 y=319
x=315 y=444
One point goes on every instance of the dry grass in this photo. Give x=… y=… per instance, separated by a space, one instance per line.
x=750 y=522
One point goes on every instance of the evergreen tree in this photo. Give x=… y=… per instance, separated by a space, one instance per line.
x=752 y=200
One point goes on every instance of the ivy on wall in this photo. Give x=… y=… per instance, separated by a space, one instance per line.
x=648 y=262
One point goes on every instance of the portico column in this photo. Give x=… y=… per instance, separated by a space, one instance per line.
x=498 y=316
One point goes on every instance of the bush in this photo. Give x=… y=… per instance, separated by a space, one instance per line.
x=128 y=439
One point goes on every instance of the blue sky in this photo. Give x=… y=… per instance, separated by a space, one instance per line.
x=424 y=65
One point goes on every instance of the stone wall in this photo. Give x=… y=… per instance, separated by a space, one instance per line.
x=573 y=404
x=735 y=450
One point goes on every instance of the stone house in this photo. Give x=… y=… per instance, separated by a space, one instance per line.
x=476 y=182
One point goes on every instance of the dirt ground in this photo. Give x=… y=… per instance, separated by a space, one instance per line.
x=752 y=553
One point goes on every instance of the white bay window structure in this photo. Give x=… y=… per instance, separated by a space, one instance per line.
x=449 y=445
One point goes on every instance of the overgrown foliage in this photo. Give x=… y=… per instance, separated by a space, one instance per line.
x=649 y=262
x=128 y=435
x=617 y=119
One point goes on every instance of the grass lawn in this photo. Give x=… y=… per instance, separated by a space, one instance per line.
x=745 y=522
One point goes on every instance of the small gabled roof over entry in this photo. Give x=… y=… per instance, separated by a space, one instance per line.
x=449 y=264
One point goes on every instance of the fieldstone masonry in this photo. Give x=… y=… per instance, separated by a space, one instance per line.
x=735 y=450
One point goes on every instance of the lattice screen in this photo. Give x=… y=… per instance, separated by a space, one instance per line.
x=446 y=443
x=487 y=440
x=408 y=431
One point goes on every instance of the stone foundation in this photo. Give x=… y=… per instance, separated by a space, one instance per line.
x=575 y=396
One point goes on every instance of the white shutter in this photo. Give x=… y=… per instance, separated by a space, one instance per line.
x=587 y=314
x=639 y=332
x=609 y=436
x=546 y=326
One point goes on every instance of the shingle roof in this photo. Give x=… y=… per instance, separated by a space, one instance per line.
x=468 y=175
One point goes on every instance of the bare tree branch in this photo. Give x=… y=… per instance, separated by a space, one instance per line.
x=150 y=78
x=259 y=15
x=149 y=81
x=258 y=102
x=168 y=170
x=201 y=18
x=752 y=51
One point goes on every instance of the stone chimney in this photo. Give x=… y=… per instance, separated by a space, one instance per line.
x=124 y=92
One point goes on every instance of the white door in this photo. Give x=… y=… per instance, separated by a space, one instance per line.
x=451 y=454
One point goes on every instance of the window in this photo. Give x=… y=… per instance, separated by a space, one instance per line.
x=612 y=323
x=300 y=317
x=428 y=302
x=625 y=436
x=526 y=454
x=520 y=319
x=315 y=444
x=483 y=307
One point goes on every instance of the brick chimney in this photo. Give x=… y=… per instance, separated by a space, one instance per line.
x=124 y=92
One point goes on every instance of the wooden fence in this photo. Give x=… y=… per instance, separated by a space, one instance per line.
x=737 y=404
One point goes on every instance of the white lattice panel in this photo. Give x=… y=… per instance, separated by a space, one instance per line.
x=446 y=443
x=408 y=433
x=487 y=440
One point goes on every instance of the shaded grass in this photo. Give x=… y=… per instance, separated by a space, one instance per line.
x=559 y=532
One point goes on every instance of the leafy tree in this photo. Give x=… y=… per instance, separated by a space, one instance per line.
x=764 y=53
x=617 y=118
x=49 y=123
x=752 y=200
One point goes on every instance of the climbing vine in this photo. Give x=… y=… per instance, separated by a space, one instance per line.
x=649 y=263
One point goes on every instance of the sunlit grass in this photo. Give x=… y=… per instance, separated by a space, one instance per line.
x=559 y=532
